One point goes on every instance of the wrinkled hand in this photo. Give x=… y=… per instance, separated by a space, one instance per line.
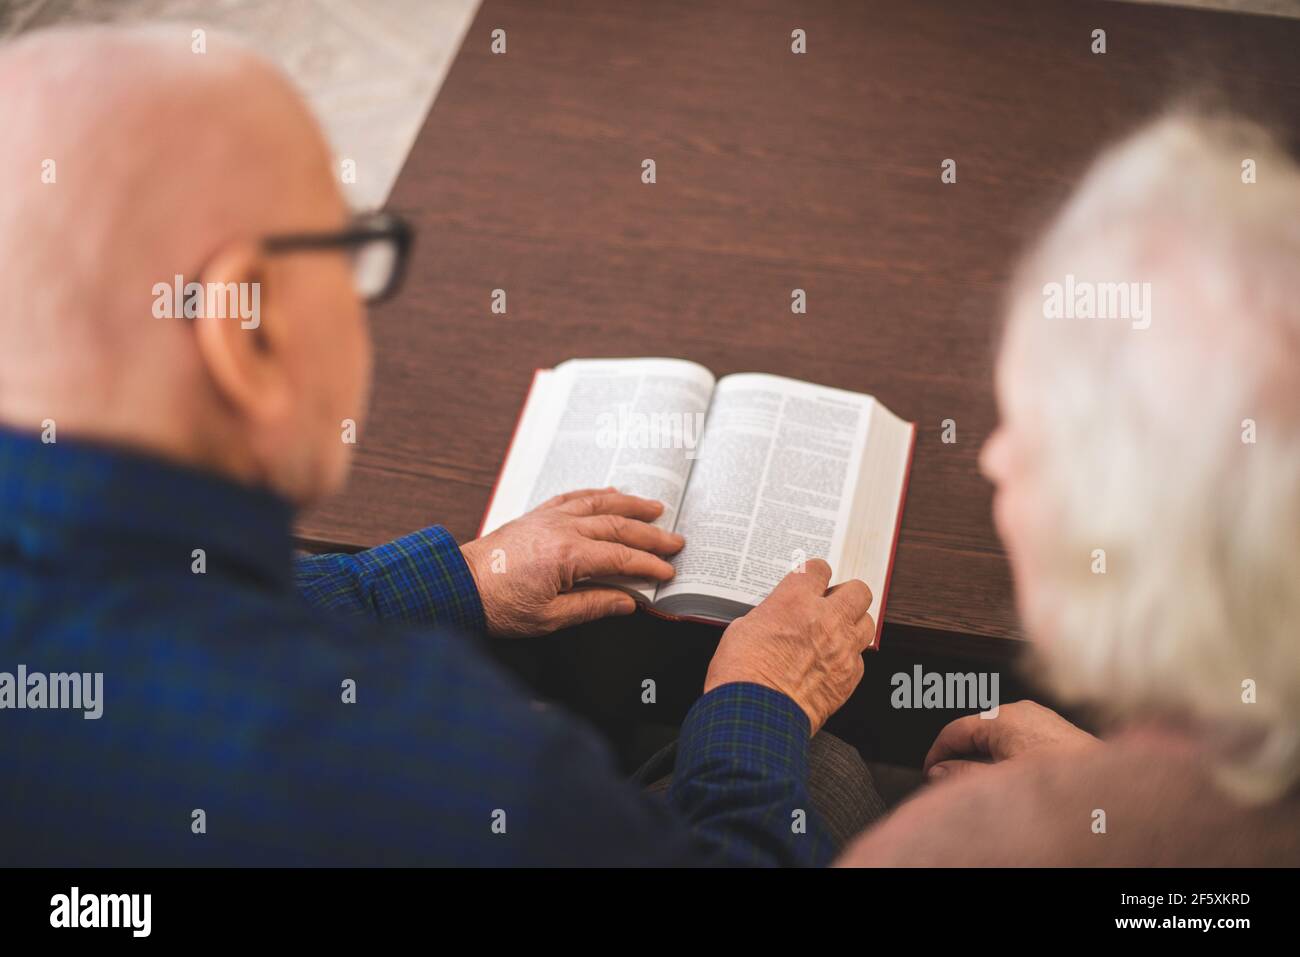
x=973 y=742
x=525 y=570
x=803 y=641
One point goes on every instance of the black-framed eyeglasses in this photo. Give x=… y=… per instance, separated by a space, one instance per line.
x=378 y=243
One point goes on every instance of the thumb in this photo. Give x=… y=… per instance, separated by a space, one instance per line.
x=814 y=575
x=964 y=737
x=945 y=770
x=588 y=604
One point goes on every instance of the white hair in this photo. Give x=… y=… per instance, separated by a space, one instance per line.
x=1144 y=443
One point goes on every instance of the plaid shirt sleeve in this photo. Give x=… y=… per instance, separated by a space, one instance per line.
x=741 y=778
x=421 y=577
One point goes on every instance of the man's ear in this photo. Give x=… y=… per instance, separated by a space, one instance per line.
x=242 y=346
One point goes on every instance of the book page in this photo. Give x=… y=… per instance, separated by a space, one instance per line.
x=631 y=423
x=874 y=523
x=773 y=486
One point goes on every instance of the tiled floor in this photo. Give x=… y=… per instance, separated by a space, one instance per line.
x=1277 y=8
x=370 y=68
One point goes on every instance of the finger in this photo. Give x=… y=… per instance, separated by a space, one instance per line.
x=814 y=576
x=851 y=601
x=859 y=669
x=614 y=503
x=866 y=626
x=570 y=496
x=629 y=531
x=589 y=604
x=852 y=598
x=955 y=769
x=971 y=735
x=602 y=559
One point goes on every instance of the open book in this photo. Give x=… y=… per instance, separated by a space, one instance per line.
x=760 y=473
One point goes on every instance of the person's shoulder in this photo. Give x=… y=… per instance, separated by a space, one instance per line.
x=1045 y=809
x=977 y=818
x=1133 y=802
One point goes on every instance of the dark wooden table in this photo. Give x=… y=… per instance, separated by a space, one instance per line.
x=775 y=171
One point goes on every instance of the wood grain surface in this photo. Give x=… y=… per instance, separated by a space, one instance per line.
x=775 y=171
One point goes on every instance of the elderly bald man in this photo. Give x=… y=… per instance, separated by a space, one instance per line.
x=1147 y=474
x=153 y=458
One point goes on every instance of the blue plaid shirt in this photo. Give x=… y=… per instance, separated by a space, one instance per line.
x=329 y=711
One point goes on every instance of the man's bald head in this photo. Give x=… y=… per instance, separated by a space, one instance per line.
x=131 y=159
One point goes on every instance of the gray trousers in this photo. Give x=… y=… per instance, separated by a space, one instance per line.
x=839 y=782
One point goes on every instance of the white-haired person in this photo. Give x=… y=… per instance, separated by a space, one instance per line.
x=1147 y=474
